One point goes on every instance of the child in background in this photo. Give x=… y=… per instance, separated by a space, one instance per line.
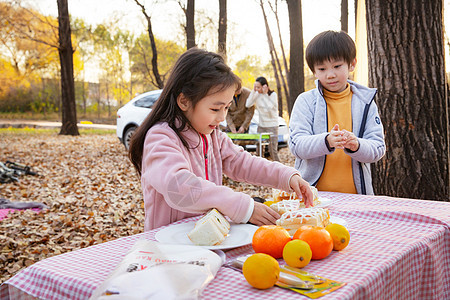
x=325 y=121
x=266 y=102
x=180 y=152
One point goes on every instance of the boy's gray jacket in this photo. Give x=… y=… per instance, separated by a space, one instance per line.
x=308 y=129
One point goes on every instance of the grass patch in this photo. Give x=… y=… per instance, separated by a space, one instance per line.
x=94 y=117
x=52 y=131
x=87 y=131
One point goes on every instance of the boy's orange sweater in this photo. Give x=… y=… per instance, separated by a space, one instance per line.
x=337 y=175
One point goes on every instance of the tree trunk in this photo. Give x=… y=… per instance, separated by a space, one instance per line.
x=344 y=15
x=222 y=48
x=159 y=81
x=296 y=76
x=190 y=24
x=406 y=64
x=68 y=111
x=107 y=97
x=99 y=95
x=83 y=91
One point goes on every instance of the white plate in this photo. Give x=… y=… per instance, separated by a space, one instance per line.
x=338 y=220
x=239 y=235
x=324 y=202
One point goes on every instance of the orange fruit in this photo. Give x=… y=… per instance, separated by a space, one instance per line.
x=261 y=270
x=297 y=253
x=300 y=230
x=319 y=240
x=339 y=234
x=270 y=239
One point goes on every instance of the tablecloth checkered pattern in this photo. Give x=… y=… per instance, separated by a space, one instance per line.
x=399 y=249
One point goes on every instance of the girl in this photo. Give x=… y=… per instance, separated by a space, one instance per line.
x=266 y=103
x=180 y=153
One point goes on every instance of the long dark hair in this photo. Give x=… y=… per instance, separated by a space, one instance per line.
x=194 y=74
x=263 y=82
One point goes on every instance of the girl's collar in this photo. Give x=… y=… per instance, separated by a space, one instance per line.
x=191 y=135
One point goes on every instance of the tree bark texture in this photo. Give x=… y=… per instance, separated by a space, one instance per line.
x=65 y=50
x=406 y=65
x=222 y=47
x=296 y=78
x=344 y=15
x=190 y=24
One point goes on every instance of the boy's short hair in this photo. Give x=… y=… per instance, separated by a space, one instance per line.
x=329 y=45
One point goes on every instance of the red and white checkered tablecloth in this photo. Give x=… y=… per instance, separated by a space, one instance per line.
x=399 y=249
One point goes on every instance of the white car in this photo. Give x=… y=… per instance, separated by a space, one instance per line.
x=132 y=114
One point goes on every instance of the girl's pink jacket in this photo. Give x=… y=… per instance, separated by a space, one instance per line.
x=174 y=180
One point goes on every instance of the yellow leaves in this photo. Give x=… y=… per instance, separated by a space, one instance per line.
x=30 y=42
x=78 y=63
x=9 y=77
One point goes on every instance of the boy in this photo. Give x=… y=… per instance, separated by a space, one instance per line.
x=335 y=129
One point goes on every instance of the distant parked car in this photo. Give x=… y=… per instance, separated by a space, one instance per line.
x=132 y=114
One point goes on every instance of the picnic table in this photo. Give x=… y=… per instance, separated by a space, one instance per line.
x=259 y=139
x=399 y=249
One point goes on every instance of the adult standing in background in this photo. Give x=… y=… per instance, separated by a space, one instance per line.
x=239 y=116
x=266 y=102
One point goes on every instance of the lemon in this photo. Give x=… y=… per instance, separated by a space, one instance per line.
x=297 y=253
x=339 y=234
x=261 y=270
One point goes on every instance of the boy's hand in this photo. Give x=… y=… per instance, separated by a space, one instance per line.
x=263 y=215
x=335 y=138
x=301 y=187
x=350 y=140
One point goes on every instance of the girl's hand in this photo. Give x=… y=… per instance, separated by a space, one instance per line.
x=301 y=187
x=263 y=215
x=350 y=140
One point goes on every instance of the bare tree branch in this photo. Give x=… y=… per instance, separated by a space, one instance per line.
x=285 y=85
x=160 y=83
x=274 y=60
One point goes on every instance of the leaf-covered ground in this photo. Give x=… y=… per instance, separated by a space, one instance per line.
x=90 y=187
